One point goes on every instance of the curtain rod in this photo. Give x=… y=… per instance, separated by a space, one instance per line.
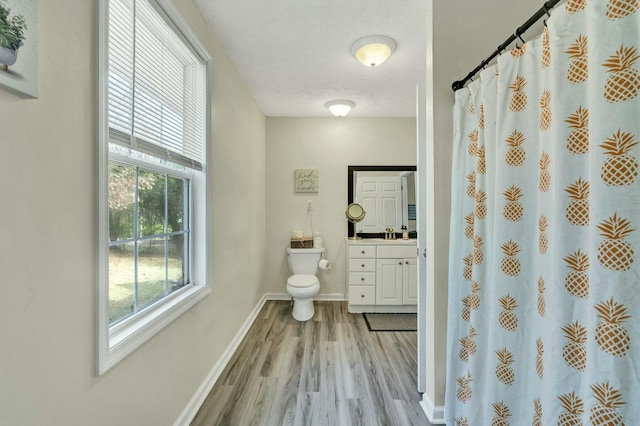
x=544 y=10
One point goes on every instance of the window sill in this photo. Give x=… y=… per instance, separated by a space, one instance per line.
x=130 y=334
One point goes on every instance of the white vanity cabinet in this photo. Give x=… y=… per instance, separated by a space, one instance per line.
x=382 y=275
x=361 y=275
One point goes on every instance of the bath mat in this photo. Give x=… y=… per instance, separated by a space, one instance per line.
x=391 y=322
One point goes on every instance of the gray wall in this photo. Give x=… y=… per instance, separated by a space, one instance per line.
x=48 y=251
x=329 y=145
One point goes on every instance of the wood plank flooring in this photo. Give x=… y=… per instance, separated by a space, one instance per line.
x=327 y=371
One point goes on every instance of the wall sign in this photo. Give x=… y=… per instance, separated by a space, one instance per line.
x=306 y=180
x=19 y=46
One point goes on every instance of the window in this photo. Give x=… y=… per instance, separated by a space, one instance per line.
x=152 y=173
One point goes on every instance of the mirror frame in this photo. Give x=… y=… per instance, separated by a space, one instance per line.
x=351 y=228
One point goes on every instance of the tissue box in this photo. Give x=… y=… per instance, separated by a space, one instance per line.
x=302 y=242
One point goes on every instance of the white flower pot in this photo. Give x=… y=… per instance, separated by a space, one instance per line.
x=8 y=57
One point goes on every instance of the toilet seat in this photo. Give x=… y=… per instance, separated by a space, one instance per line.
x=302 y=280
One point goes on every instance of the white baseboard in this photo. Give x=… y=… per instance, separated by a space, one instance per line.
x=196 y=401
x=435 y=414
x=324 y=297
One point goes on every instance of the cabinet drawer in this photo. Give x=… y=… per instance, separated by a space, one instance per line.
x=362 y=295
x=362 y=265
x=362 y=278
x=358 y=251
x=397 y=252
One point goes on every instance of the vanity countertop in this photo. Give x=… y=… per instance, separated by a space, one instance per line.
x=378 y=241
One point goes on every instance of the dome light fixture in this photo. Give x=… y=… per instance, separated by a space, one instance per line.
x=372 y=51
x=340 y=107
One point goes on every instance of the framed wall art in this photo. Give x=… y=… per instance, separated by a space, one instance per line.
x=306 y=180
x=19 y=46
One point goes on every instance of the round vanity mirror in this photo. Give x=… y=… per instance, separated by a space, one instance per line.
x=355 y=213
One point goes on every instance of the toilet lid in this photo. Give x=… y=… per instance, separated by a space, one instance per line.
x=302 y=280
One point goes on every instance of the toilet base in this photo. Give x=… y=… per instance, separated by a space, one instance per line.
x=303 y=299
x=303 y=309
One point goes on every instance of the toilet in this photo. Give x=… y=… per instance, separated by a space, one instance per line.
x=303 y=284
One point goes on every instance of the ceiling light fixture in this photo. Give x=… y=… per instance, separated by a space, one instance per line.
x=371 y=51
x=340 y=107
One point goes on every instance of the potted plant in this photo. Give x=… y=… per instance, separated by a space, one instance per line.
x=11 y=35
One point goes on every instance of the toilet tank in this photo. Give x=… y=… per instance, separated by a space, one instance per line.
x=305 y=260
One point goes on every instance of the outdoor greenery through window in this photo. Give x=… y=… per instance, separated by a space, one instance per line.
x=149 y=234
x=152 y=172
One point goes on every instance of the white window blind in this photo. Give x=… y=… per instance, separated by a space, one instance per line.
x=155 y=101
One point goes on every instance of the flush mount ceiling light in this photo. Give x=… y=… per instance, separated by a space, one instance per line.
x=340 y=107
x=373 y=50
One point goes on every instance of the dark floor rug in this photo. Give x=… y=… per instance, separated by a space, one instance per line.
x=391 y=322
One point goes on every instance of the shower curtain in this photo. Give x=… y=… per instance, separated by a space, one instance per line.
x=544 y=274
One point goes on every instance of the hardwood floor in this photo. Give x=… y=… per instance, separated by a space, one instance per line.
x=328 y=371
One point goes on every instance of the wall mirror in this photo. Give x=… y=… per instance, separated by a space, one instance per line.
x=388 y=196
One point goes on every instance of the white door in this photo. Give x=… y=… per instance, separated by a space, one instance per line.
x=389 y=282
x=381 y=199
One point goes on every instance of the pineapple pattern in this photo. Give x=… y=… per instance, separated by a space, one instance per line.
x=615 y=252
x=464 y=393
x=574 y=351
x=611 y=336
x=513 y=210
x=575 y=6
x=467 y=272
x=542 y=304
x=537 y=413
x=468 y=230
x=515 y=154
x=577 y=212
x=579 y=67
x=473 y=142
x=471 y=184
x=577 y=280
x=605 y=411
x=544 y=180
x=624 y=82
x=539 y=358
x=562 y=106
x=543 y=239
x=478 y=257
x=466 y=309
x=510 y=263
x=518 y=51
x=617 y=9
x=462 y=421
x=504 y=371
x=507 y=317
x=620 y=168
x=545 y=110
x=480 y=210
x=578 y=140
x=474 y=297
x=546 y=48
x=518 y=100
x=572 y=410
x=467 y=345
x=481 y=165
x=501 y=414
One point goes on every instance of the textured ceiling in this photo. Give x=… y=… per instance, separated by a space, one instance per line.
x=295 y=55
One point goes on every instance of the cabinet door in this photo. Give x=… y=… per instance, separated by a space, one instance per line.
x=389 y=282
x=410 y=282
